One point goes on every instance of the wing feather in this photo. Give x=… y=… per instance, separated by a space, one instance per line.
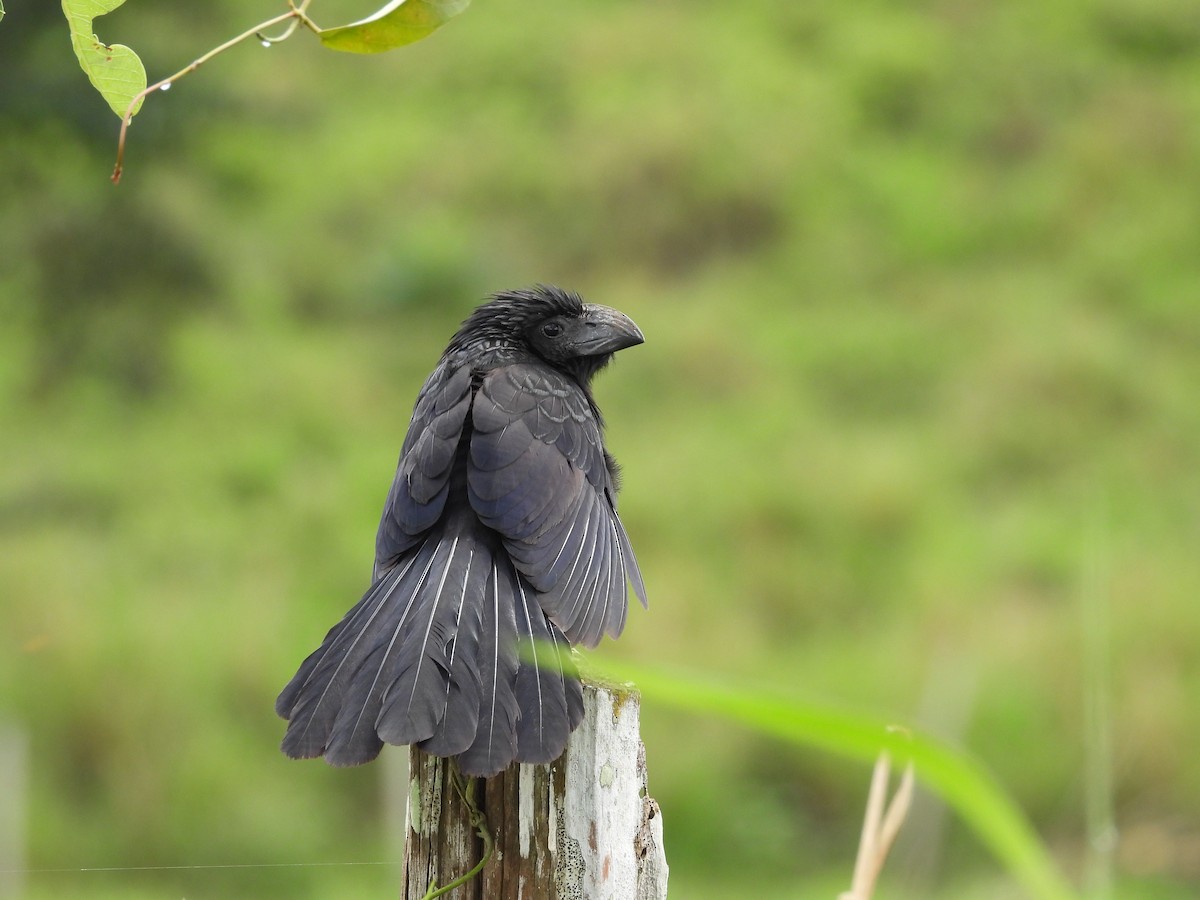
x=419 y=490
x=551 y=500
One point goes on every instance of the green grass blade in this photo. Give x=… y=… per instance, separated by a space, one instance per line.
x=957 y=777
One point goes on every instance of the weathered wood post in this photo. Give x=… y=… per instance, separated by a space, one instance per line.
x=579 y=828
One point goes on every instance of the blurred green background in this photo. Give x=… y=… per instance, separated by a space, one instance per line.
x=918 y=410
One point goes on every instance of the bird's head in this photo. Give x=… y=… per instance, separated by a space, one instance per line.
x=553 y=324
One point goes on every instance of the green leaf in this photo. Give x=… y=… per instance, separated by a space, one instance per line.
x=116 y=72
x=1 y=9
x=400 y=22
x=956 y=776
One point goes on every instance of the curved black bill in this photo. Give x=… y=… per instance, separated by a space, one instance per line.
x=605 y=330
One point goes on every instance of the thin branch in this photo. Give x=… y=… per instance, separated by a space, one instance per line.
x=295 y=15
x=267 y=40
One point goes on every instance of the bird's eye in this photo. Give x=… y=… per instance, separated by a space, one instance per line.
x=552 y=329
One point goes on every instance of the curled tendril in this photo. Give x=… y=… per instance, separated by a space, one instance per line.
x=465 y=786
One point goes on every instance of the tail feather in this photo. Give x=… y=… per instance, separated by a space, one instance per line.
x=313 y=698
x=495 y=744
x=549 y=696
x=429 y=656
x=339 y=636
x=413 y=699
x=355 y=730
x=463 y=688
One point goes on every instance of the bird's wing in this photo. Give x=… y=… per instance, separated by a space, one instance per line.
x=538 y=475
x=429 y=655
x=419 y=490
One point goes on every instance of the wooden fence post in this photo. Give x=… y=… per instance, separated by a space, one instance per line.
x=579 y=828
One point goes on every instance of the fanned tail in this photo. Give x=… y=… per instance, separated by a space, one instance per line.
x=429 y=656
x=401 y=667
x=313 y=699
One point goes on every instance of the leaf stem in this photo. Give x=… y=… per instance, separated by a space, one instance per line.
x=295 y=14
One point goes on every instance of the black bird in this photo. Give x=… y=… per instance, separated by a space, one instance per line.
x=500 y=528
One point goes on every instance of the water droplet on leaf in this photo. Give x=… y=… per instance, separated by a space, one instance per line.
x=266 y=43
x=165 y=86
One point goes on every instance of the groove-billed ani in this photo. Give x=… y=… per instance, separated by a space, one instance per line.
x=500 y=528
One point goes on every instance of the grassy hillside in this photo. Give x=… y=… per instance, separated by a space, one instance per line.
x=917 y=408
